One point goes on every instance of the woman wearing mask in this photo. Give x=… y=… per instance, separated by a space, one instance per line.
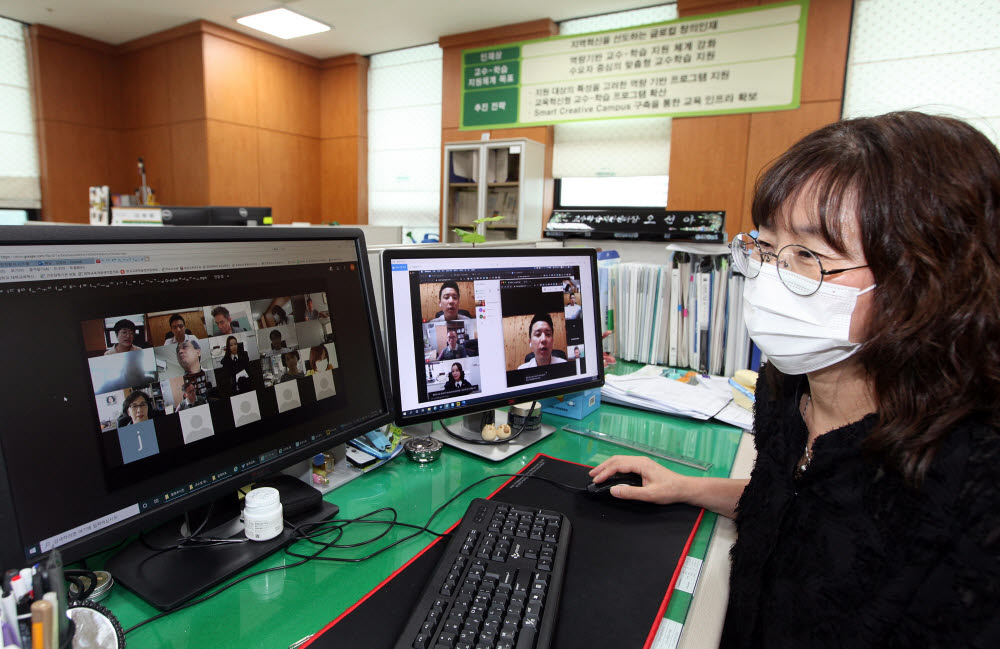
x=872 y=515
x=319 y=359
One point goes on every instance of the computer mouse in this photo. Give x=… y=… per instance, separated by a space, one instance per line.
x=604 y=488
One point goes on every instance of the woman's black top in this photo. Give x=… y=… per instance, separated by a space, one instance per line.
x=848 y=556
x=460 y=384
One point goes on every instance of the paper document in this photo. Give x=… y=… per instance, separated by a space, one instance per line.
x=648 y=389
x=663 y=394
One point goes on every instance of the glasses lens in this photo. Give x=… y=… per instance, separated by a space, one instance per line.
x=746 y=254
x=799 y=270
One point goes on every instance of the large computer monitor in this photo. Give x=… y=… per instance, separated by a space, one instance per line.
x=471 y=330
x=152 y=371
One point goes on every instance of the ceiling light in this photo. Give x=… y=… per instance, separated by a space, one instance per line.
x=283 y=23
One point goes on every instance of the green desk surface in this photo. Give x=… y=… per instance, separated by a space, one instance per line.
x=276 y=609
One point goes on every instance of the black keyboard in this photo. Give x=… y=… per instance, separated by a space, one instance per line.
x=497 y=585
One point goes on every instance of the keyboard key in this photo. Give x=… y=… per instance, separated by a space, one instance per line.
x=495 y=582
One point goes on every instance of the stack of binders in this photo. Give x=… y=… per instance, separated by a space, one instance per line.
x=686 y=313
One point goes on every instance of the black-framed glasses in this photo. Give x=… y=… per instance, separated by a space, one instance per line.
x=799 y=268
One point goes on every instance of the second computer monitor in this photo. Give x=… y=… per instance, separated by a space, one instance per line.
x=474 y=329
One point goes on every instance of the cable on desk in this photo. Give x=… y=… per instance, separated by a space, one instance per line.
x=338 y=527
x=514 y=434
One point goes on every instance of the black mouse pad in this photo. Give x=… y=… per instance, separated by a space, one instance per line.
x=623 y=561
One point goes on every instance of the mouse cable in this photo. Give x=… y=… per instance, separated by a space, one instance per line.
x=339 y=529
x=426 y=526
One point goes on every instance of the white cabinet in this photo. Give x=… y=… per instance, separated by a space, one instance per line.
x=493 y=178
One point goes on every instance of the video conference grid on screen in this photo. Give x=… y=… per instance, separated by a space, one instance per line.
x=170 y=379
x=479 y=333
x=71 y=387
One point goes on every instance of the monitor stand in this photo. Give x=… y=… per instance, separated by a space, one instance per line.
x=470 y=427
x=167 y=579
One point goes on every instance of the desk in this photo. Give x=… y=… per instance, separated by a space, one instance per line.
x=279 y=608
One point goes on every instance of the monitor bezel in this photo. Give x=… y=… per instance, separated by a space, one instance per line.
x=11 y=542
x=388 y=256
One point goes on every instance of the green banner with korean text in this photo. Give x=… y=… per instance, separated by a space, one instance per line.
x=743 y=61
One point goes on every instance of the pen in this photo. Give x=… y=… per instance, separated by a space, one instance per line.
x=37 y=585
x=53 y=635
x=58 y=584
x=41 y=624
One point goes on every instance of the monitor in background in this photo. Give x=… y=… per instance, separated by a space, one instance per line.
x=472 y=330
x=225 y=215
x=156 y=371
x=183 y=215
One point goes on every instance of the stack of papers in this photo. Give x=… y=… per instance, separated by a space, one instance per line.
x=648 y=389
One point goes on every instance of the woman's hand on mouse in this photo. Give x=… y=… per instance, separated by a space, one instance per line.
x=659 y=484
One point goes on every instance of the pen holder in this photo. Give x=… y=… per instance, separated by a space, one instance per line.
x=93 y=627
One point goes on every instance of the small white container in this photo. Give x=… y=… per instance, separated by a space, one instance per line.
x=262 y=514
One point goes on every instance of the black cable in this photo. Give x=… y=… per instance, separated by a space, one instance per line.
x=338 y=527
x=191 y=538
x=495 y=442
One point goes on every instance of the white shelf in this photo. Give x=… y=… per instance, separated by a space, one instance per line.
x=508 y=181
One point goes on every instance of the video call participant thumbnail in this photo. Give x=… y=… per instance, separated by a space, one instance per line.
x=191 y=397
x=572 y=310
x=277 y=343
x=452 y=348
x=178 y=331
x=136 y=408
x=448 y=297
x=540 y=338
x=456 y=379
x=224 y=321
x=292 y=370
x=319 y=360
x=235 y=360
x=189 y=358
x=125 y=334
x=312 y=313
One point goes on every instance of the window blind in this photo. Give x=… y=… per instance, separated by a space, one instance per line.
x=404 y=139
x=936 y=57
x=19 y=184
x=615 y=147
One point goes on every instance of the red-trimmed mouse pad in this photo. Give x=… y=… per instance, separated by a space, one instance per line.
x=624 y=559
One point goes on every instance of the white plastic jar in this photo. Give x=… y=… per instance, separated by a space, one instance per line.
x=262 y=514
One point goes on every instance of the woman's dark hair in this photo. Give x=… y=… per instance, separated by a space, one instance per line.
x=280 y=317
x=926 y=191
x=132 y=396
x=461 y=371
x=232 y=338
x=124 y=323
x=287 y=355
x=316 y=354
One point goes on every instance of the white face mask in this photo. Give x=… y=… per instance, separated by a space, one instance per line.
x=322 y=366
x=800 y=334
